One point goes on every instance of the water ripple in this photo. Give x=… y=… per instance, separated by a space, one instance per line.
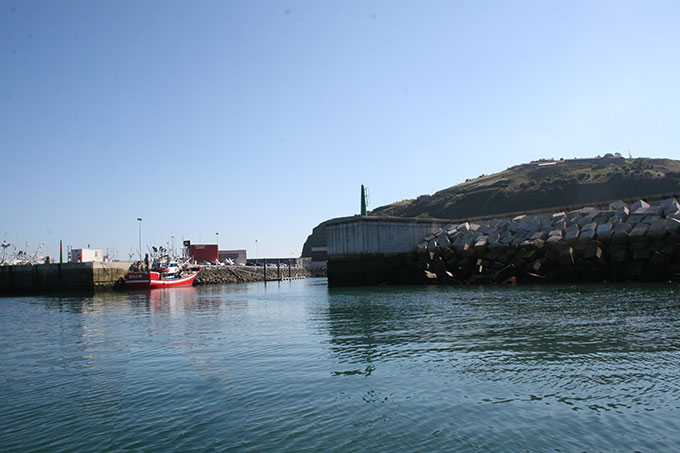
x=298 y=367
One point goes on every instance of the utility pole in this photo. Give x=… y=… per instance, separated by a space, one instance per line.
x=363 y=201
x=139 y=219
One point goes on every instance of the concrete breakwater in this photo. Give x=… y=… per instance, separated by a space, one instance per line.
x=42 y=278
x=61 y=277
x=635 y=242
x=215 y=275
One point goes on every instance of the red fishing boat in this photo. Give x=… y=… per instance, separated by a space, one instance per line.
x=168 y=276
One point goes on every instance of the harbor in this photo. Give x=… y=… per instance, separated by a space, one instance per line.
x=296 y=366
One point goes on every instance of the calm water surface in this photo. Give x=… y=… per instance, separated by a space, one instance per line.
x=296 y=366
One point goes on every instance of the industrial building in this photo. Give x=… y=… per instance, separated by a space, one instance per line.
x=203 y=252
x=237 y=256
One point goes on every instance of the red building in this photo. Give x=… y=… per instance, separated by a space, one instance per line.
x=204 y=252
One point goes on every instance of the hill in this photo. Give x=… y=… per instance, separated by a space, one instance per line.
x=544 y=184
x=536 y=185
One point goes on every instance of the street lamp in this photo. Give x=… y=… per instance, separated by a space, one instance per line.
x=140 y=238
x=217 y=240
x=256 y=252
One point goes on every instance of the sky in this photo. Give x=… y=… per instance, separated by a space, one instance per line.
x=258 y=120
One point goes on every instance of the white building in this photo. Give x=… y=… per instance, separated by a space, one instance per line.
x=85 y=255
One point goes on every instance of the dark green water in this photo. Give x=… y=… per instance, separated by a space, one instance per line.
x=298 y=367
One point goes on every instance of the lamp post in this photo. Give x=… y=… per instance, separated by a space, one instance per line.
x=217 y=240
x=256 y=252
x=139 y=219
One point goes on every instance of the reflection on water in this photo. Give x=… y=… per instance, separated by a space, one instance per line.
x=297 y=366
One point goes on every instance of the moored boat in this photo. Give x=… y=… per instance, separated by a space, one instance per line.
x=142 y=280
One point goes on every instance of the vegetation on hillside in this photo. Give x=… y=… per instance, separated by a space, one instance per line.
x=534 y=186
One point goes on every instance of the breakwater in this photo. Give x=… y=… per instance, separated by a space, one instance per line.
x=215 y=275
x=61 y=277
x=41 y=278
x=635 y=241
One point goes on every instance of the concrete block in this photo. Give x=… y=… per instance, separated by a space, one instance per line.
x=622 y=227
x=556 y=233
x=474 y=226
x=506 y=238
x=589 y=211
x=668 y=202
x=463 y=227
x=650 y=210
x=650 y=219
x=582 y=221
x=537 y=243
x=623 y=211
x=422 y=246
x=587 y=234
x=443 y=241
x=618 y=204
x=635 y=218
x=640 y=230
x=558 y=216
x=657 y=228
x=593 y=250
x=603 y=217
x=503 y=225
x=671 y=210
x=672 y=225
x=514 y=227
x=590 y=226
x=429 y=237
x=432 y=246
x=482 y=241
x=605 y=227
x=560 y=225
x=638 y=204
x=519 y=218
x=554 y=239
x=530 y=227
x=453 y=237
x=571 y=233
x=605 y=235
x=544 y=235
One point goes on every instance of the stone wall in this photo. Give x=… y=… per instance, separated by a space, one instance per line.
x=636 y=241
x=240 y=274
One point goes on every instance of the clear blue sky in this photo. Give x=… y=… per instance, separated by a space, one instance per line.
x=260 y=119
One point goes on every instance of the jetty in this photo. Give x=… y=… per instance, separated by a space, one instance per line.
x=631 y=240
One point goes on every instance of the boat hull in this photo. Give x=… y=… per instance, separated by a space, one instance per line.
x=143 y=280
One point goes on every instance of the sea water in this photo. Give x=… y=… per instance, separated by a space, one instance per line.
x=296 y=366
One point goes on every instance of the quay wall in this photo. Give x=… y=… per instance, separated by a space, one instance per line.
x=365 y=250
x=622 y=241
x=35 y=278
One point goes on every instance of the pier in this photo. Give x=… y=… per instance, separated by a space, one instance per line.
x=34 y=278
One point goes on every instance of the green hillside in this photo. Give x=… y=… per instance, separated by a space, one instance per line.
x=545 y=184
x=536 y=185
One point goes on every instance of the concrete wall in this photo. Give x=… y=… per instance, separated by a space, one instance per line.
x=64 y=276
x=377 y=235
